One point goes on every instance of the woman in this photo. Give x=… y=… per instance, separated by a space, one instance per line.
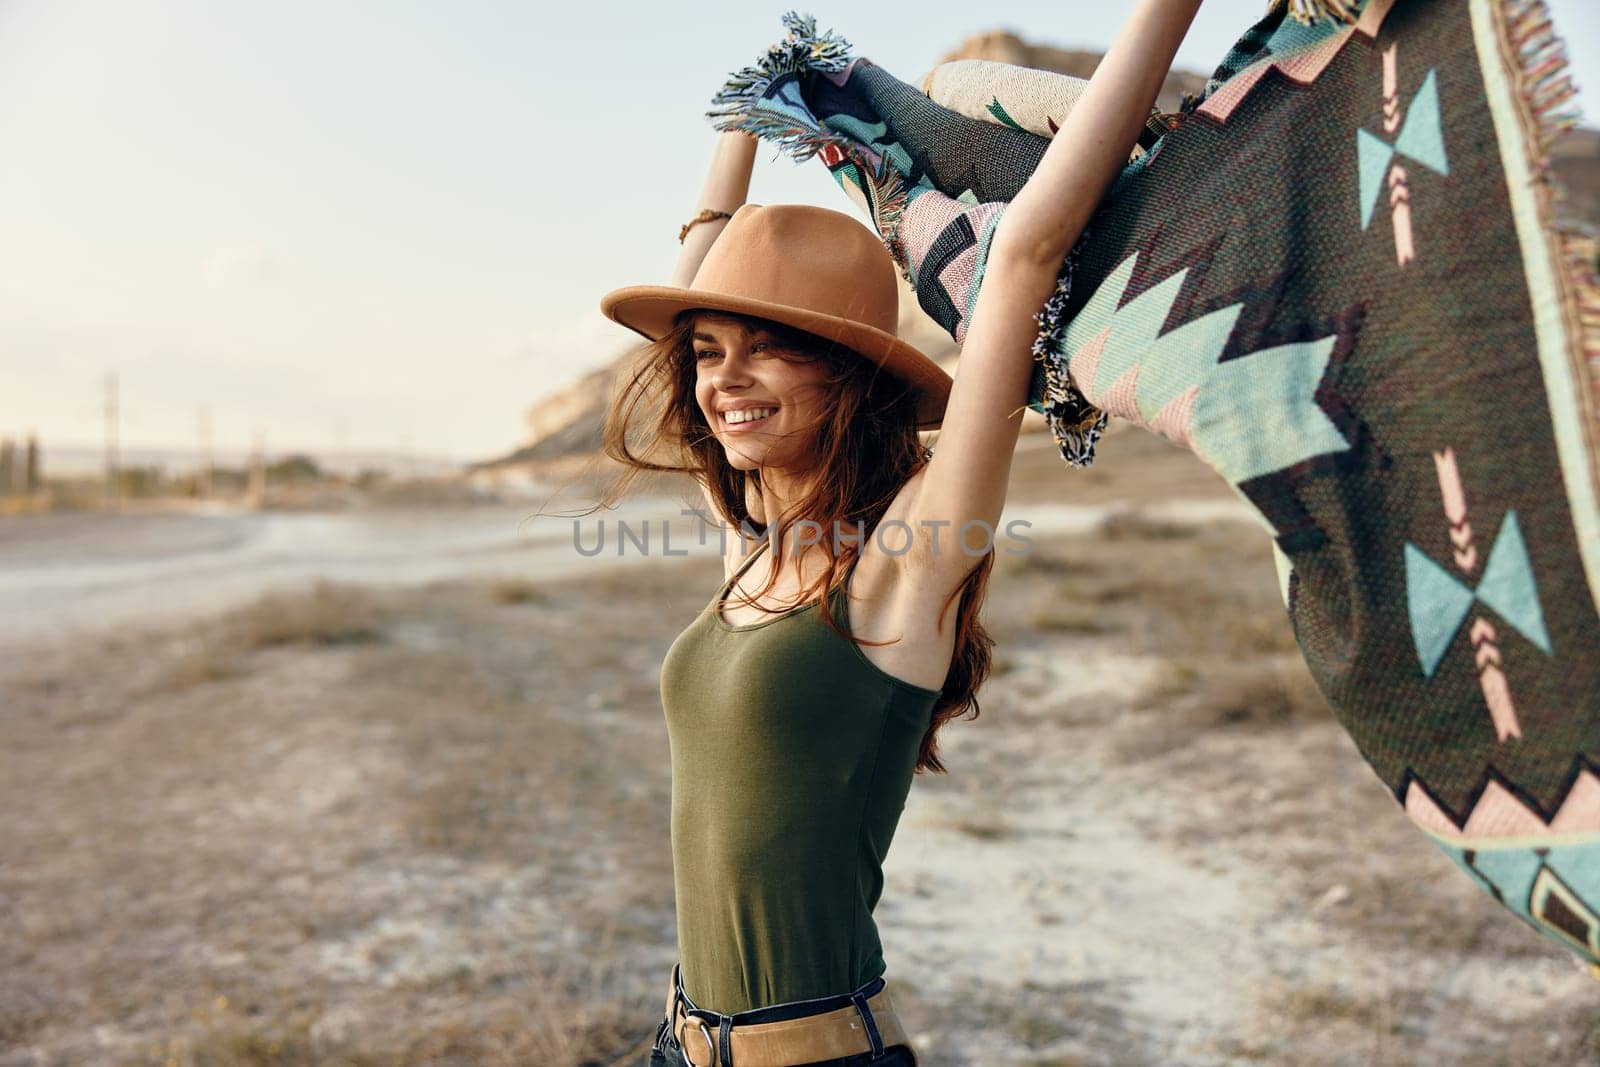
x=783 y=390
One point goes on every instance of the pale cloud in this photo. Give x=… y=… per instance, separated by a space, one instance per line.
x=240 y=264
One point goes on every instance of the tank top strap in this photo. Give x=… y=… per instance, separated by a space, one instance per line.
x=751 y=558
x=739 y=571
x=840 y=590
x=849 y=572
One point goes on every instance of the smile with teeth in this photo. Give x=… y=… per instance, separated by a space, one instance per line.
x=745 y=416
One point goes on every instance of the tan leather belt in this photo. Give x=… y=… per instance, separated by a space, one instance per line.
x=825 y=1036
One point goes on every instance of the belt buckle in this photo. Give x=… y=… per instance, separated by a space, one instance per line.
x=705 y=1032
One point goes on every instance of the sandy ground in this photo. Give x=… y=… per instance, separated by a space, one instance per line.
x=427 y=822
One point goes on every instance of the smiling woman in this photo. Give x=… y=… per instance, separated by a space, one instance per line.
x=794 y=745
x=776 y=376
x=760 y=382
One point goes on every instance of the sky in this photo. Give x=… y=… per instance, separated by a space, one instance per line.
x=388 y=225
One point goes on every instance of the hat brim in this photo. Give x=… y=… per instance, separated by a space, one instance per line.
x=651 y=311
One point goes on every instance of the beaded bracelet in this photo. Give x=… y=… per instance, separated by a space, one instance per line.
x=705 y=216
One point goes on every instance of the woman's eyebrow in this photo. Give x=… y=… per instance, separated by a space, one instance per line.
x=750 y=335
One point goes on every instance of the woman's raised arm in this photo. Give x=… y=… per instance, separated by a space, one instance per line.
x=967 y=478
x=1045 y=218
x=727 y=186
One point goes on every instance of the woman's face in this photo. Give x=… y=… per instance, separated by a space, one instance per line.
x=743 y=369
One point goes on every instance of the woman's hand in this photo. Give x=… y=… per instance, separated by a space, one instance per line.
x=1043 y=221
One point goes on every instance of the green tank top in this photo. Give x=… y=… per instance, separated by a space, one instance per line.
x=792 y=755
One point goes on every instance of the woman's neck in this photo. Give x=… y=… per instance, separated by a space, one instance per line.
x=791 y=537
x=810 y=543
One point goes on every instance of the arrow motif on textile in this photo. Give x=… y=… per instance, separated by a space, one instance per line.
x=1421 y=141
x=1438 y=602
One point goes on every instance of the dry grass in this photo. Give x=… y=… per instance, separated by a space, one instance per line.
x=1129 y=525
x=1079 y=619
x=1048 y=1023
x=1131 y=466
x=205 y=663
x=330 y=614
x=1353 y=1025
x=1183 y=592
x=516 y=591
x=1242 y=692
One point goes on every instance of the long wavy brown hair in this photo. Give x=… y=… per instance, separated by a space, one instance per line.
x=865 y=449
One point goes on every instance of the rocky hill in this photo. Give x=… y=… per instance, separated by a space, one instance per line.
x=568 y=422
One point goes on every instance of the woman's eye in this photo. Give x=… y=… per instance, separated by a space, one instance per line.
x=704 y=352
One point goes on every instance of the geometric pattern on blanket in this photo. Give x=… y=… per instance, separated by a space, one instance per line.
x=1338 y=282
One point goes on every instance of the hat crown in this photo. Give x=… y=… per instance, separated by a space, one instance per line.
x=805 y=257
x=807 y=267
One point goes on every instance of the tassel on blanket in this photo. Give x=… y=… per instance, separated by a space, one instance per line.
x=802 y=50
x=1307 y=12
x=745 y=102
x=1582 y=255
x=1545 y=82
x=1075 y=423
x=1550 y=99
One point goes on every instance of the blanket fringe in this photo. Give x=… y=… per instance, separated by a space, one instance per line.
x=1581 y=253
x=801 y=50
x=1550 y=101
x=1546 y=82
x=1075 y=423
x=736 y=106
x=1308 y=12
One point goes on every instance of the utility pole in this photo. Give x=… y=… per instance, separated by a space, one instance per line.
x=113 y=479
x=203 y=479
x=8 y=463
x=341 y=445
x=257 y=495
x=31 y=482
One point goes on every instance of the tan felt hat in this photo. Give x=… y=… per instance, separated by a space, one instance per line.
x=817 y=270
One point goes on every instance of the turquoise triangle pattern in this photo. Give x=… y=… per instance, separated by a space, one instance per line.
x=1508 y=586
x=1422 y=136
x=1421 y=140
x=1437 y=604
x=1372 y=162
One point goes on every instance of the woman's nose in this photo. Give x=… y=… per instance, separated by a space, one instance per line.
x=732 y=367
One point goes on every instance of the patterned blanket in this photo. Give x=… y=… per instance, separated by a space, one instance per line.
x=1337 y=282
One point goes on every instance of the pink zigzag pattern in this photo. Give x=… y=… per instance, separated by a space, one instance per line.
x=1499 y=813
x=1121 y=397
x=1302 y=68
